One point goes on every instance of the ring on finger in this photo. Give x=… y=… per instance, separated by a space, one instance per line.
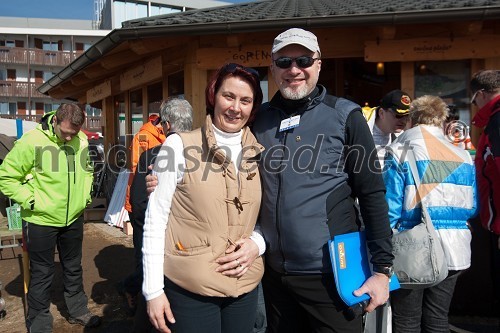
x=237 y=263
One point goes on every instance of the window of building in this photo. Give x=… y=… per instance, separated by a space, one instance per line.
x=155 y=97
x=264 y=83
x=136 y=110
x=47 y=107
x=92 y=111
x=11 y=74
x=127 y=10
x=8 y=108
x=162 y=10
x=141 y=10
x=176 y=84
x=446 y=79
x=119 y=14
x=119 y=109
x=50 y=46
x=47 y=76
x=3 y=74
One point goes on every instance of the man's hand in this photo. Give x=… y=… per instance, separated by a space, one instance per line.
x=377 y=286
x=238 y=259
x=151 y=181
x=159 y=309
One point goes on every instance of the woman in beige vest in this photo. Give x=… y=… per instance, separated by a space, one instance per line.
x=200 y=223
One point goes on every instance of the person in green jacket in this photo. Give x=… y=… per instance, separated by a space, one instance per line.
x=49 y=174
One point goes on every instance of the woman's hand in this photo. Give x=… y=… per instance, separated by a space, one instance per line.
x=238 y=259
x=159 y=309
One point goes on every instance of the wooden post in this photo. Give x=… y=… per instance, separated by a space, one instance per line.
x=408 y=78
x=108 y=123
x=145 y=104
x=475 y=132
x=195 y=82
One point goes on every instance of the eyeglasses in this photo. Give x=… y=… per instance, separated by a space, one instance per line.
x=232 y=67
x=302 y=62
x=473 y=99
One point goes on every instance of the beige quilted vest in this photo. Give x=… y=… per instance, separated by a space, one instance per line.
x=208 y=210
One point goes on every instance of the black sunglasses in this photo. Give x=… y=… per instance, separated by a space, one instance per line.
x=302 y=62
x=231 y=68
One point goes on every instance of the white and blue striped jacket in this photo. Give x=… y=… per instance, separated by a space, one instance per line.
x=448 y=188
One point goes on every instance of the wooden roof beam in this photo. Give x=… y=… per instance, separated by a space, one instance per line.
x=150 y=45
x=118 y=59
x=79 y=79
x=93 y=71
x=466 y=28
x=386 y=32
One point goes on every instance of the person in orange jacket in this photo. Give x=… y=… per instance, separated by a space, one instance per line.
x=150 y=135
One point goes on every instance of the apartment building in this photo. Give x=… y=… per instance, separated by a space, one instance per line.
x=33 y=50
x=109 y=14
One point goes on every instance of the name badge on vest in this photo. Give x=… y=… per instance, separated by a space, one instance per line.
x=288 y=123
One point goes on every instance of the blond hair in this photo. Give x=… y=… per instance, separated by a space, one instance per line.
x=428 y=110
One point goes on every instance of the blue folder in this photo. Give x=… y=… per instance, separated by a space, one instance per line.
x=351 y=267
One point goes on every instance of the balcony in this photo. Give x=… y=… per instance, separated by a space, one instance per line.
x=17 y=55
x=19 y=89
x=92 y=123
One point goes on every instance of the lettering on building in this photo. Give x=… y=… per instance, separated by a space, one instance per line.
x=439 y=48
x=251 y=56
x=99 y=92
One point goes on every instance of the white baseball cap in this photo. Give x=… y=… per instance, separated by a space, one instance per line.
x=296 y=36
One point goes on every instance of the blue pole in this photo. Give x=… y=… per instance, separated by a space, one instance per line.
x=19 y=126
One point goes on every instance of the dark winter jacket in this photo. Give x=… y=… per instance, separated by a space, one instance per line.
x=311 y=175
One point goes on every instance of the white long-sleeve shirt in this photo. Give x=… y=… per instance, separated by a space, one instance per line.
x=169 y=167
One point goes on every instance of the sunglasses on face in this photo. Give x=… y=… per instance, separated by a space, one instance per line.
x=231 y=68
x=302 y=62
x=473 y=99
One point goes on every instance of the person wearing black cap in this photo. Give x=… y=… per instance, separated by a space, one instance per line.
x=307 y=198
x=391 y=119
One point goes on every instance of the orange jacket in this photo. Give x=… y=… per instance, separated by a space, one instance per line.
x=148 y=137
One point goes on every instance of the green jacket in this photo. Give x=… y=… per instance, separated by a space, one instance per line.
x=50 y=179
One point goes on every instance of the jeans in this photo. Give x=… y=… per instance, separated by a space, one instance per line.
x=423 y=310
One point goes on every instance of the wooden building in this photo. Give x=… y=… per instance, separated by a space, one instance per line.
x=368 y=48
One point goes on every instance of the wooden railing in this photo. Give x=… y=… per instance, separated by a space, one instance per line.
x=13 y=55
x=92 y=123
x=19 y=89
x=17 y=55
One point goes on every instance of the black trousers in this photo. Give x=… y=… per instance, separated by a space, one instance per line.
x=305 y=303
x=133 y=282
x=42 y=242
x=205 y=314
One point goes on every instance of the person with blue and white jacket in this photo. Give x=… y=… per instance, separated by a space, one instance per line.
x=448 y=189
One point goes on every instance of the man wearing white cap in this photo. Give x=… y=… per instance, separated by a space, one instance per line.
x=316 y=163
